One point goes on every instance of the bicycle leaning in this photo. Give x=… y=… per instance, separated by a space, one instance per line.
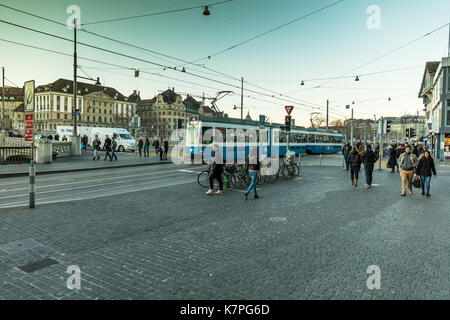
x=228 y=178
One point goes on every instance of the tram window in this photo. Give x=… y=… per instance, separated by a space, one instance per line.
x=338 y=139
x=312 y=138
x=332 y=139
x=319 y=138
x=326 y=139
x=204 y=129
x=283 y=138
x=223 y=132
x=251 y=136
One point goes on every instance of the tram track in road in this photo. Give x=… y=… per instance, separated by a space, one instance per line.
x=76 y=190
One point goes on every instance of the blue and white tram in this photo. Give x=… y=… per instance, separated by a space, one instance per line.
x=236 y=137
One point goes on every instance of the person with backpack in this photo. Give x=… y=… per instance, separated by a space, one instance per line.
x=346 y=150
x=107 y=147
x=113 y=149
x=407 y=163
x=424 y=169
x=252 y=165
x=369 y=158
x=355 y=166
x=96 y=144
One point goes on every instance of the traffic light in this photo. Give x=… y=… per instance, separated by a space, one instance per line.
x=287 y=123
x=388 y=126
x=407 y=133
x=412 y=132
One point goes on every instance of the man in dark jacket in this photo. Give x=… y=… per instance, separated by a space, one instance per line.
x=392 y=161
x=346 y=149
x=166 y=148
x=107 y=147
x=355 y=166
x=369 y=158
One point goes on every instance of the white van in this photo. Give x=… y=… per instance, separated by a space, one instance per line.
x=125 y=142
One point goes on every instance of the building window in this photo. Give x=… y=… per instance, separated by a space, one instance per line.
x=65 y=117
x=448 y=112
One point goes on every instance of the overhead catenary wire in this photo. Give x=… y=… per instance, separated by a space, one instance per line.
x=155 y=52
x=129 y=68
x=268 y=31
x=157 y=13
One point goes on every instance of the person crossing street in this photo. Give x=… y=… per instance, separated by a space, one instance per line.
x=407 y=163
x=346 y=150
x=369 y=158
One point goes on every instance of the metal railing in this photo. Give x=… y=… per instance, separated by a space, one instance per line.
x=61 y=148
x=15 y=155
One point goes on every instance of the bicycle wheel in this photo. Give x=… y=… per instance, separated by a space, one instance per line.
x=230 y=183
x=203 y=179
x=296 y=169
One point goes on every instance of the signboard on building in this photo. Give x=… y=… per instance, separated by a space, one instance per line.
x=193 y=121
x=29 y=127
x=262 y=121
x=29 y=97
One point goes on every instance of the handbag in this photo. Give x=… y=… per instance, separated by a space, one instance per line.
x=416 y=182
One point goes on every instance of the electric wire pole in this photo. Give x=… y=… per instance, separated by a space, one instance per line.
x=327 y=114
x=3 y=101
x=242 y=98
x=74 y=108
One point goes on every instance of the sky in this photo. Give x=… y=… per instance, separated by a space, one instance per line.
x=326 y=44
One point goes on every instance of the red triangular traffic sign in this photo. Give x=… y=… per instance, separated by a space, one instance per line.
x=289 y=109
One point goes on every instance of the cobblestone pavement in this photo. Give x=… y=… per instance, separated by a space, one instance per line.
x=309 y=238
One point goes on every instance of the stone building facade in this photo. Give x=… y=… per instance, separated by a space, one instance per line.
x=13 y=99
x=99 y=106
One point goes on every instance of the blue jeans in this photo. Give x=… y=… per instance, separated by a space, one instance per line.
x=346 y=159
x=368 y=169
x=254 y=176
x=425 y=181
x=113 y=154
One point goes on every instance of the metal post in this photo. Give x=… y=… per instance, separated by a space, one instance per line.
x=3 y=101
x=74 y=108
x=242 y=98
x=351 y=134
x=320 y=160
x=327 y=114
x=380 y=129
x=32 y=175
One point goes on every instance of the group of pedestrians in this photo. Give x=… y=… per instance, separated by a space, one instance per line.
x=413 y=162
x=110 y=146
x=161 y=147
x=357 y=155
x=144 y=145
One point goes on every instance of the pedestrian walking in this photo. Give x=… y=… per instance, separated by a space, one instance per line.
x=407 y=163
x=398 y=153
x=392 y=161
x=156 y=146
x=113 y=149
x=216 y=171
x=166 y=148
x=417 y=149
x=161 y=149
x=84 y=142
x=107 y=147
x=147 y=147
x=140 y=146
x=369 y=158
x=252 y=165
x=346 y=150
x=424 y=170
x=360 y=147
x=96 y=145
x=355 y=166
